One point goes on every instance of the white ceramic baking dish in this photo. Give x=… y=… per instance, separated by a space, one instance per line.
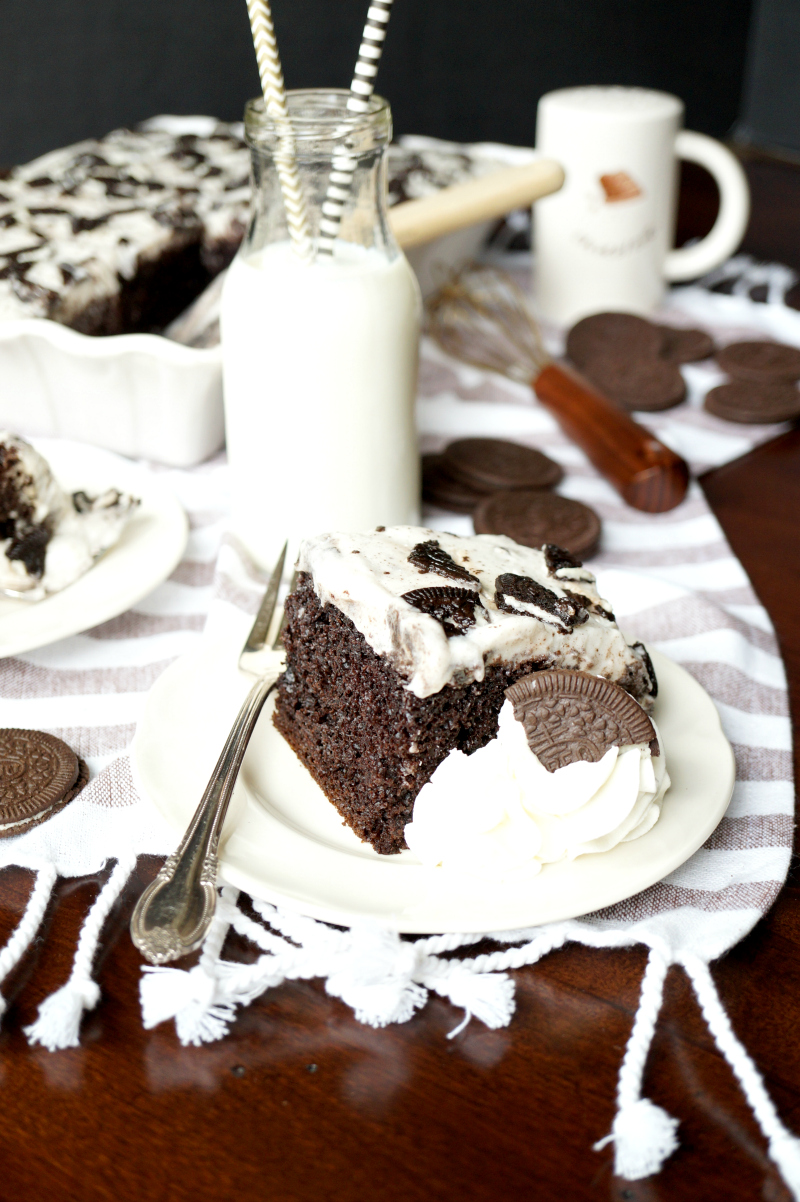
x=146 y=396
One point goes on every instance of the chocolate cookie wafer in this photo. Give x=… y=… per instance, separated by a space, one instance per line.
x=442 y=489
x=617 y=334
x=685 y=346
x=761 y=362
x=489 y=464
x=645 y=384
x=572 y=716
x=533 y=518
x=39 y=775
x=754 y=404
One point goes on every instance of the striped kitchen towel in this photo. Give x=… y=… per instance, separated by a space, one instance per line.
x=692 y=601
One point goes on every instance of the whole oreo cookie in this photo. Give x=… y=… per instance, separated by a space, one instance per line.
x=442 y=489
x=39 y=775
x=754 y=404
x=685 y=346
x=617 y=334
x=488 y=464
x=644 y=384
x=533 y=518
x=571 y=716
x=760 y=362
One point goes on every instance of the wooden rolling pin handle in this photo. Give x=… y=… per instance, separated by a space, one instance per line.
x=647 y=474
x=483 y=199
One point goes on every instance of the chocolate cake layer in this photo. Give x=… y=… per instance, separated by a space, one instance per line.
x=369 y=742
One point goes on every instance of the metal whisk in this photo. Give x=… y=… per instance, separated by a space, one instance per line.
x=481 y=317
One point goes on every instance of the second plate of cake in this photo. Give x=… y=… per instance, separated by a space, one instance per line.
x=286 y=843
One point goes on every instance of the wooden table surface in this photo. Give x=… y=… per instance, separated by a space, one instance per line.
x=302 y=1103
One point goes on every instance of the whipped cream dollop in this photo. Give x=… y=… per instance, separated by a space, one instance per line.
x=500 y=809
x=50 y=537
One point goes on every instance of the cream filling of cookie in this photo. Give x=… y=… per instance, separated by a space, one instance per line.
x=26 y=822
x=81 y=527
x=366 y=575
x=499 y=809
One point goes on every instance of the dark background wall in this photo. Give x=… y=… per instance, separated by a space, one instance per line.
x=770 y=114
x=462 y=69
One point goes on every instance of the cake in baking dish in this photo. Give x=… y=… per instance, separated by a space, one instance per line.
x=400 y=645
x=120 y=234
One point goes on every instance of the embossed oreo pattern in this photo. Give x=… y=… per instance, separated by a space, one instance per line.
x=37 y=770
x=571 y=716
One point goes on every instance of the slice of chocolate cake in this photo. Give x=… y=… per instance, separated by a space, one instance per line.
x=401 y=643
x=47 y=537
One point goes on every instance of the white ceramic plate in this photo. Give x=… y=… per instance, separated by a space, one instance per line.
x=286 y=844
x=149 y=547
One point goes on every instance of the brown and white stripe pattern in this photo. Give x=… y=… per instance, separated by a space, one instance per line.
x=269 y=68
x=361 y=87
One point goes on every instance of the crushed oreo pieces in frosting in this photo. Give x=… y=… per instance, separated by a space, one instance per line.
x=522 y=595
x=430 y=556
x=453 y=607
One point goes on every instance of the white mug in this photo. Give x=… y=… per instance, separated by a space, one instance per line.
x=605 y=240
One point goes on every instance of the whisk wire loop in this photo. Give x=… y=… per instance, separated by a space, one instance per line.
x=481 y=317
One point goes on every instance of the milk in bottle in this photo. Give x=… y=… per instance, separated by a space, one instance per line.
x=320 y=357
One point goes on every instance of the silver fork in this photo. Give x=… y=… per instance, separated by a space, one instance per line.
x=174 y=912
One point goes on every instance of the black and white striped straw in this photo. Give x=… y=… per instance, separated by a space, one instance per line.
x=361 y=88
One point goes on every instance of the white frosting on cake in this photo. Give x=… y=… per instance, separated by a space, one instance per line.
x=366 y=575
x=499 y=809
x=76 y=220
x=80 y=528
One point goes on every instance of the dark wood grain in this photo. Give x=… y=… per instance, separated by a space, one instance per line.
x=647 y=474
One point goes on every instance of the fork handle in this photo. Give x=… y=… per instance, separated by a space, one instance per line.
x=174 y=913
x=646 y=473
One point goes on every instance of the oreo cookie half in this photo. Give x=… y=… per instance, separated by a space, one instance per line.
x=432 y=557
x=523 y=596
x=754 y=404
x=532 y=518
x=571 y=716
x=486 y=464
x=644 y=384
x=443 y=490
x=620 y=335
x=454 y=608
x=686 y=345
x=39 y=775
x=761 y=362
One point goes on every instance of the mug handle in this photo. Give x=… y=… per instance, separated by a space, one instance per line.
x=734 y=208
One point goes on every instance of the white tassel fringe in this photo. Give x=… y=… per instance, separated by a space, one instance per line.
x=386 y=979
x=644 y=1136
x=784 y=1147
x=28 y=925
x=58 y=1024
x=194 y=998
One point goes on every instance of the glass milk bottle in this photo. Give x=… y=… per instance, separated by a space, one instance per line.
x=320 y=356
